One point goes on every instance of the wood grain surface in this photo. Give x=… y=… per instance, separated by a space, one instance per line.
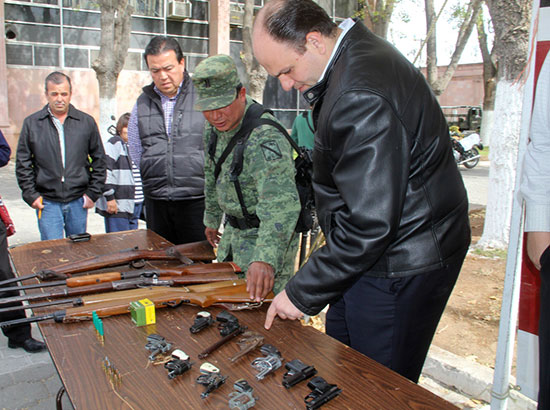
x=78 y=354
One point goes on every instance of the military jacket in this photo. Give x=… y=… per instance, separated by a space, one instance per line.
x=269 y=190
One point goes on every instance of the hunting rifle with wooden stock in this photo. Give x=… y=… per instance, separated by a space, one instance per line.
x=118 y=281
x=117 y=303
x=186 y=253
x=195 y=270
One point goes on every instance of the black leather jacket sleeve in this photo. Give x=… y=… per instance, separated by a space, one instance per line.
x=25 y=172
x=367 y=145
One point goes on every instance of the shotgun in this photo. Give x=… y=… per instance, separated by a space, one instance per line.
x=111 y=304
x=207 y=269
x=186 y=253
x=121 y=285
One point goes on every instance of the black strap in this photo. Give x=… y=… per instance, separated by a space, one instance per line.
x=252 y=119
x=255 y=110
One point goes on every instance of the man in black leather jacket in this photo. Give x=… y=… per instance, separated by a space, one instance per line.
x=389 y=197
x=60 y=163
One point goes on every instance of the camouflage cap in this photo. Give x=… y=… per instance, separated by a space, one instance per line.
x=216 y=79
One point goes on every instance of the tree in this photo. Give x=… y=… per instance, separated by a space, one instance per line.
x=467 y=18
x=489 y=80
x=511 y=20
x=115 y=39
x=256 y=73
x=377 y=15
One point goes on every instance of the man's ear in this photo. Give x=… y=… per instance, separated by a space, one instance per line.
x=316 y=41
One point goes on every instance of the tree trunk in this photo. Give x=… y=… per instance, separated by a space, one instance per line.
x=489 y=82
x=511 y=20
x=115 y=39
x=439 y=84
x=256 y=73
x=377 y=15
x=431 y=43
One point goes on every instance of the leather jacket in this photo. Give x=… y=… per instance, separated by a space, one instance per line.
x=39 y=168
x=389 y=197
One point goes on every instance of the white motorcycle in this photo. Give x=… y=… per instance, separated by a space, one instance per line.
x=466 y=151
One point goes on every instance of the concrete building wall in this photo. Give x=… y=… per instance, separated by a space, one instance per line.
x=466 y=86
x=26 y=93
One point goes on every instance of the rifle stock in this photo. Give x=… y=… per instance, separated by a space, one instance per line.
x=230 y=291
x=208 y=269
x=120 y=287
x=110 y=304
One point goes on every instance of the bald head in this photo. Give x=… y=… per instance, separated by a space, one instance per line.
x=290 y=21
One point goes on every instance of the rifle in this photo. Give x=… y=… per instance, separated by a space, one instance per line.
x=124 y=284
x=84 y=280
x=111 y=304
x=186 y=253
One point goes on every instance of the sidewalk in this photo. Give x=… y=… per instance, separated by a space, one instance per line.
x=30 y=381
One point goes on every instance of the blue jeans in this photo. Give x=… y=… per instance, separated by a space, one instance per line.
x=59 y=217
x=115 y=224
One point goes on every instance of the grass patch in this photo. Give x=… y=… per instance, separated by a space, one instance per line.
x=490 y=253
x=484 y=153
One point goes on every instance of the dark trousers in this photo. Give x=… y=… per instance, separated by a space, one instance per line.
x=544 y=332
x=15 y=333
x=393 y=320
x=177 y=221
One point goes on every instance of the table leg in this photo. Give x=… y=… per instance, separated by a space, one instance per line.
x=58 y=397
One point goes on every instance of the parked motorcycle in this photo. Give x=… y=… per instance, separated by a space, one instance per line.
x=466 y=151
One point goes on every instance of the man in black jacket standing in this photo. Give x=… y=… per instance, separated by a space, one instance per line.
x=389 y=197
x=53 y=165
x=165 y=142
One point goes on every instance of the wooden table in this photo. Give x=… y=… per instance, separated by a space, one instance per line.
x=78 y=354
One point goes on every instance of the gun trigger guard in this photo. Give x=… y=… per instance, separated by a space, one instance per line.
x=173 y=303
x=137 y=264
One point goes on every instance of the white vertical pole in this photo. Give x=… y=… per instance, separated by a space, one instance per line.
x=510 y=296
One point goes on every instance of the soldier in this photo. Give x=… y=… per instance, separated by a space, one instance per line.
x=259 y=232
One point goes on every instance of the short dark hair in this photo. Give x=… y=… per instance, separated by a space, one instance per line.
x=289 y=21
x=57 y=78
x=122 y=122
x=161 y=44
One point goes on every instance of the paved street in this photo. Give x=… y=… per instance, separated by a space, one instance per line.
x=477 y=183
x=30 y=381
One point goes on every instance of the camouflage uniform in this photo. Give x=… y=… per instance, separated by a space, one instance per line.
x=267 y=183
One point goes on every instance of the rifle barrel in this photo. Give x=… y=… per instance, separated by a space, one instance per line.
x=75 y=302
x=58 y=316
x=33 y=286
x=196 y=251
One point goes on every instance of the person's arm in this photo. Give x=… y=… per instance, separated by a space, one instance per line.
x=5 y=150
x=113 y=150
x=24 y=166
x=134 y=140
x=212 y=212
x=97 y=154
x=278 y=206
x=371 y=170
x=535 y=183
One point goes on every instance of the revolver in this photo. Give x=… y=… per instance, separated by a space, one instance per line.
x=269 y=363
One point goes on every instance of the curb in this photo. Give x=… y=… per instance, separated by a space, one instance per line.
x=469 y=378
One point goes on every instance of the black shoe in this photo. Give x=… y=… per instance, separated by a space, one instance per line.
x=30 y=345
